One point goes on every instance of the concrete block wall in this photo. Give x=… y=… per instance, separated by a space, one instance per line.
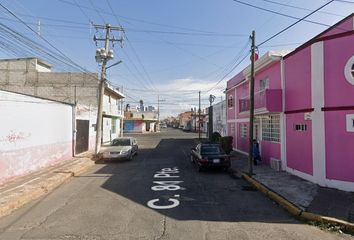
x=22 y=77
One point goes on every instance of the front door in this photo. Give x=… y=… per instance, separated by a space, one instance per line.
x=82 y=136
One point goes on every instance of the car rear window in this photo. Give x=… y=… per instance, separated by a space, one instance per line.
x=211 y=150
x=120 y=142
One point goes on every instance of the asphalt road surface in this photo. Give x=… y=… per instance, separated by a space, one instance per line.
x=158 y=195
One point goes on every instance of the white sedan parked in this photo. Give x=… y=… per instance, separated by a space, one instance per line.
x=119 y=148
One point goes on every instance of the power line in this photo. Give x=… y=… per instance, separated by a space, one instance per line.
x=98 y=13
x=25 y=46
x=45 y=40
x=290 y=26
x=302 y=8
x=149 y=22
x=281 y=14
x=82 y=11
x=343 y=1
x=239 y=60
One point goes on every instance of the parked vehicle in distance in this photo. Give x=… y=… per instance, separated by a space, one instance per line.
x=206 y=155
x=119 y=148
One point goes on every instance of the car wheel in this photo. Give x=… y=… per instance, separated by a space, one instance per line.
x=130 y=157
x=200 y=169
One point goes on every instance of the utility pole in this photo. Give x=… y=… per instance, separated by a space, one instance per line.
x=251 y=120
x=103 y=55
x=210 y=126
x=199 y=118
x=158 y=110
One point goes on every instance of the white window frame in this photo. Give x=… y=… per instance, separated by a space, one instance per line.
x=230 y=99
x=263 y=86
x=349 y=70
x=243 y=130
x=271 y=128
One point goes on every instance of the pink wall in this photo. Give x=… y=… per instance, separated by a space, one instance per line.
x=230 y=110
x=336 y=54
x=232 y=132
x=273 y=74
x=345 y=26
x=298 y=80
x=268 y=150
x=299 y=144
x=339 y=147
x=19 y=162
x=242 y=143
x=242 y=91
x=339 y=154
x=235 y=80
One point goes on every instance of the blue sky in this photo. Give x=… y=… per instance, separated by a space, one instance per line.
x=173 y=48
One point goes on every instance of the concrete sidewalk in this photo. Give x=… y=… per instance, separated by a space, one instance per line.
x=24 y=189
x=300 y=197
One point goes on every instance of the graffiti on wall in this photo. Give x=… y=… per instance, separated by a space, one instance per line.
x=14 y=137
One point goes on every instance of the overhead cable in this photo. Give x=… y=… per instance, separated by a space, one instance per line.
x=281 y=14
x=290 y=26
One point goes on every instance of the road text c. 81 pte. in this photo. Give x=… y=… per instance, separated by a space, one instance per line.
x=166 y=182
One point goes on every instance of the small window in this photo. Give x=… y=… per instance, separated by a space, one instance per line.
x=264 y=84
x=230 y=101
x=300 y=127
x=243 y=130
x=114 y=126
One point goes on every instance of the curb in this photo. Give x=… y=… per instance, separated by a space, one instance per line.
x=292 y=209
x=27 y=194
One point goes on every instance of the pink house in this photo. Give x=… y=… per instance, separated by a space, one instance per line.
x=304 y=108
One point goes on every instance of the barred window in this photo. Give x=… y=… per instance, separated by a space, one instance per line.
x=230 y=101
x=271 y=128
x=114 y=125
x=300 y=127
x=243 y=130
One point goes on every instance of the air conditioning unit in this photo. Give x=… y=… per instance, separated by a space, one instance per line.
x=275 y=164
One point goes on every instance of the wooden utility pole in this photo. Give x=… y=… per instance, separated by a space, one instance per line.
x=251 y=120
x=210 y=113
x=105 y=57
x=199 y=119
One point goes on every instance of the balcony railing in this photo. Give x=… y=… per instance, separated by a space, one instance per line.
x=268 y=99
x=113 y=110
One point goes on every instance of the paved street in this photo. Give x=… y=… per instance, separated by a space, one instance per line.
x=158 y=195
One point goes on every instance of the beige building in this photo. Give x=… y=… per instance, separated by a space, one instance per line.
x=34 y=77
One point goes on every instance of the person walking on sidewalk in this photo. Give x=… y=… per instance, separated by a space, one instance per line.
x=256 y=154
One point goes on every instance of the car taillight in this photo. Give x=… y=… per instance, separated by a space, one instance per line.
x=204 y=160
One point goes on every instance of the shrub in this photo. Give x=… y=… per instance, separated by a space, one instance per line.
x=215 y=137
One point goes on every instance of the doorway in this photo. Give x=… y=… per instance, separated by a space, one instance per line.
x=82 y=136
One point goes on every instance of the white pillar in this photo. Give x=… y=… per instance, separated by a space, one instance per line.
x=318 y=127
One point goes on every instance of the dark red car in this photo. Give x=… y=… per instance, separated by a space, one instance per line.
x=207 y=155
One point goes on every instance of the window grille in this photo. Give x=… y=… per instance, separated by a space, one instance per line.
x=271 y=128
